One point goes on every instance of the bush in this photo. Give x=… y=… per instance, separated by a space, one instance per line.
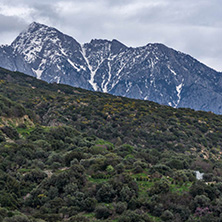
x=161 y=168
x=2 y=138
x=90 y=204
x=134 y=216
x=167 y=216
x=161 y=186
x=35 y=176
x=17 y=218
x=79 y=218
x=10 y=132
x=102 y=212
x=126 y=194
x=201 y=201
x=121 y=207
x=105 y=193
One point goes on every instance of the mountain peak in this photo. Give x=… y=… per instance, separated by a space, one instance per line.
x=99 y=41
x=36 y=28
x=117 y=46
x=34 y=37
x=35 y=24
x=33 y=27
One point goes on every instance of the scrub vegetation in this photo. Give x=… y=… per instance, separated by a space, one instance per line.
x=68 y=154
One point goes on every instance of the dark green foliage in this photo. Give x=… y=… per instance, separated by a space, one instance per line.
x=10 y=132
x=102 y=212
x=126 y=194
x=161 y=168
x=161 y=186
x=121 y=207
x=17 y=218
x=9 y=108
x=167 y=216
x=68 y=154
x=8 y=200
x=35 y=176
x=201 y=201
x=2 y=138
x=79 y=218
x=105 y=193
x=130 y=216
x=119 y=120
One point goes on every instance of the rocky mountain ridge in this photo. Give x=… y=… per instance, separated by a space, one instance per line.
x=152 y=72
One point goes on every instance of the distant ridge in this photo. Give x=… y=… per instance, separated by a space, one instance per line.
x=152 y=72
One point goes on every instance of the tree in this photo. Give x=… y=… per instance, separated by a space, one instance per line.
x=102 y=212
x=161 y=186
x=126 y=194
x=201 y=201
x=134 y=216
x=121 y=207
x=105 y=193
x=17 y=218
x=167 y=215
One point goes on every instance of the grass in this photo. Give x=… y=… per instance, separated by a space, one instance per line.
x=25 y=131
x=97 y=180
x=180 y=188
x=24 y=170
x=155 y=219
x=89 y=215
x=145 y=185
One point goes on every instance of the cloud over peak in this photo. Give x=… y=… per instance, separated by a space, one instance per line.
x=193 y=27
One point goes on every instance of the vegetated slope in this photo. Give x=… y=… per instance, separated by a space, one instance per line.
x=153 y=72
x=77 y=155
x=114 y=118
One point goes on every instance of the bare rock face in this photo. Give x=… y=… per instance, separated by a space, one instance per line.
x=152 y=72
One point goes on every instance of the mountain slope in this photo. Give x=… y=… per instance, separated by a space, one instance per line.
x=68 y=154
x=137 y=122
x=152 y=72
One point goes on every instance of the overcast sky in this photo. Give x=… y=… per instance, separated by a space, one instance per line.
x=190 y=26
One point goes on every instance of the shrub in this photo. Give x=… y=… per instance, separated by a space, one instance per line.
x=2 y=138
x=133 y=216
x=105 y=193
x=17 y=218
x=167 y=216
x=79 y=218
x=102 y=212
x=10 y=132
x=121 y=207
x=161 y=186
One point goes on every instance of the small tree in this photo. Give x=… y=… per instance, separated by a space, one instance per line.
x=102 y=212
x=167 y=215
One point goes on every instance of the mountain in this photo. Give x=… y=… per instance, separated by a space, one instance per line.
x=152 y=72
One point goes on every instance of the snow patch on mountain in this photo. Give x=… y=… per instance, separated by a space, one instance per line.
x=178 y=89
x=92 y=72
x=171 y=70
x=73 y=65
x=109 y=78
x=38 y=73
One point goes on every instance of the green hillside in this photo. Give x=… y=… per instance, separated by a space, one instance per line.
x=68 y=154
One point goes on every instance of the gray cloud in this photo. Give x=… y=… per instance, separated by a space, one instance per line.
x=193 y=27
x=10 y=23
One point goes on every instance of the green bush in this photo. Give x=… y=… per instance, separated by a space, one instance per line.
x=102 y=212
x=10 y=132
x=17 y=218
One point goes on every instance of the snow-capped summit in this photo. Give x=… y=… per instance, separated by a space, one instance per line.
x=152 y=72
x=50 y=55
